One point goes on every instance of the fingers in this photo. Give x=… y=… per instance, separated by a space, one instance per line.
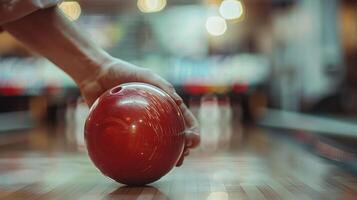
x=192 y=132
x=190 y=119
x=186 y=152
x=154 y=79
x=90 y=92
x=192 y=139
x=179 y=163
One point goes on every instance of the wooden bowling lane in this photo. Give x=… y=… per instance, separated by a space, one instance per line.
x=259 y=166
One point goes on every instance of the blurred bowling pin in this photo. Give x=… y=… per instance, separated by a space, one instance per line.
x=81 y=114
x=70 y=125
x=209 y=119
x=225 y=123
x=76 y=113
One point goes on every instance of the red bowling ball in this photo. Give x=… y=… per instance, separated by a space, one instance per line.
x=135 y=133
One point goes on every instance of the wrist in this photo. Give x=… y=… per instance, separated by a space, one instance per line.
x=91 y=67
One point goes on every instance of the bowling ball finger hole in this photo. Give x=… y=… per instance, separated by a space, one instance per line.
x=115 y=90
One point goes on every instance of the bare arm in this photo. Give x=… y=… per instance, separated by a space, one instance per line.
x=50 y=33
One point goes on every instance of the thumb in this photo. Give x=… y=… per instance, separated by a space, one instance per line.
x=90 y=92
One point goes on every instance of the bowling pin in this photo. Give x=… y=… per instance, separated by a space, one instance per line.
x=81 y=113
x=225 y=123
x=209 y=119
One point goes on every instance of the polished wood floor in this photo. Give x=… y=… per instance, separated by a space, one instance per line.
x=253 y=164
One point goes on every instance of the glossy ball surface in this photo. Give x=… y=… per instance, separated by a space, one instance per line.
x=135 y=133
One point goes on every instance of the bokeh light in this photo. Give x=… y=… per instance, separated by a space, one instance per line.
x=231 y=9
x=149 y=6
x=216 y=25
x=72 y=9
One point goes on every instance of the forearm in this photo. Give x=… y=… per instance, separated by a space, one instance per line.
x=52 y=35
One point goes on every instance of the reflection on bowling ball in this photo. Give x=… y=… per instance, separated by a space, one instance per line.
x=135 y=133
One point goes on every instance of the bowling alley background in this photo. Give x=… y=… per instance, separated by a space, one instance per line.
x=249 y=70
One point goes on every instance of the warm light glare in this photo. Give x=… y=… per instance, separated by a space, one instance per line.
x=149 y=6
x=231 y=9
x=72 y=9
x=216 y=26
x=218 y=196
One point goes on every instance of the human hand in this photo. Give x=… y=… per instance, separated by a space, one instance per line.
x=94 y=70
x=118 y=72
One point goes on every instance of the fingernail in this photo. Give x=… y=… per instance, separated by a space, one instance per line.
x=179 y=163
x=189 y=143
